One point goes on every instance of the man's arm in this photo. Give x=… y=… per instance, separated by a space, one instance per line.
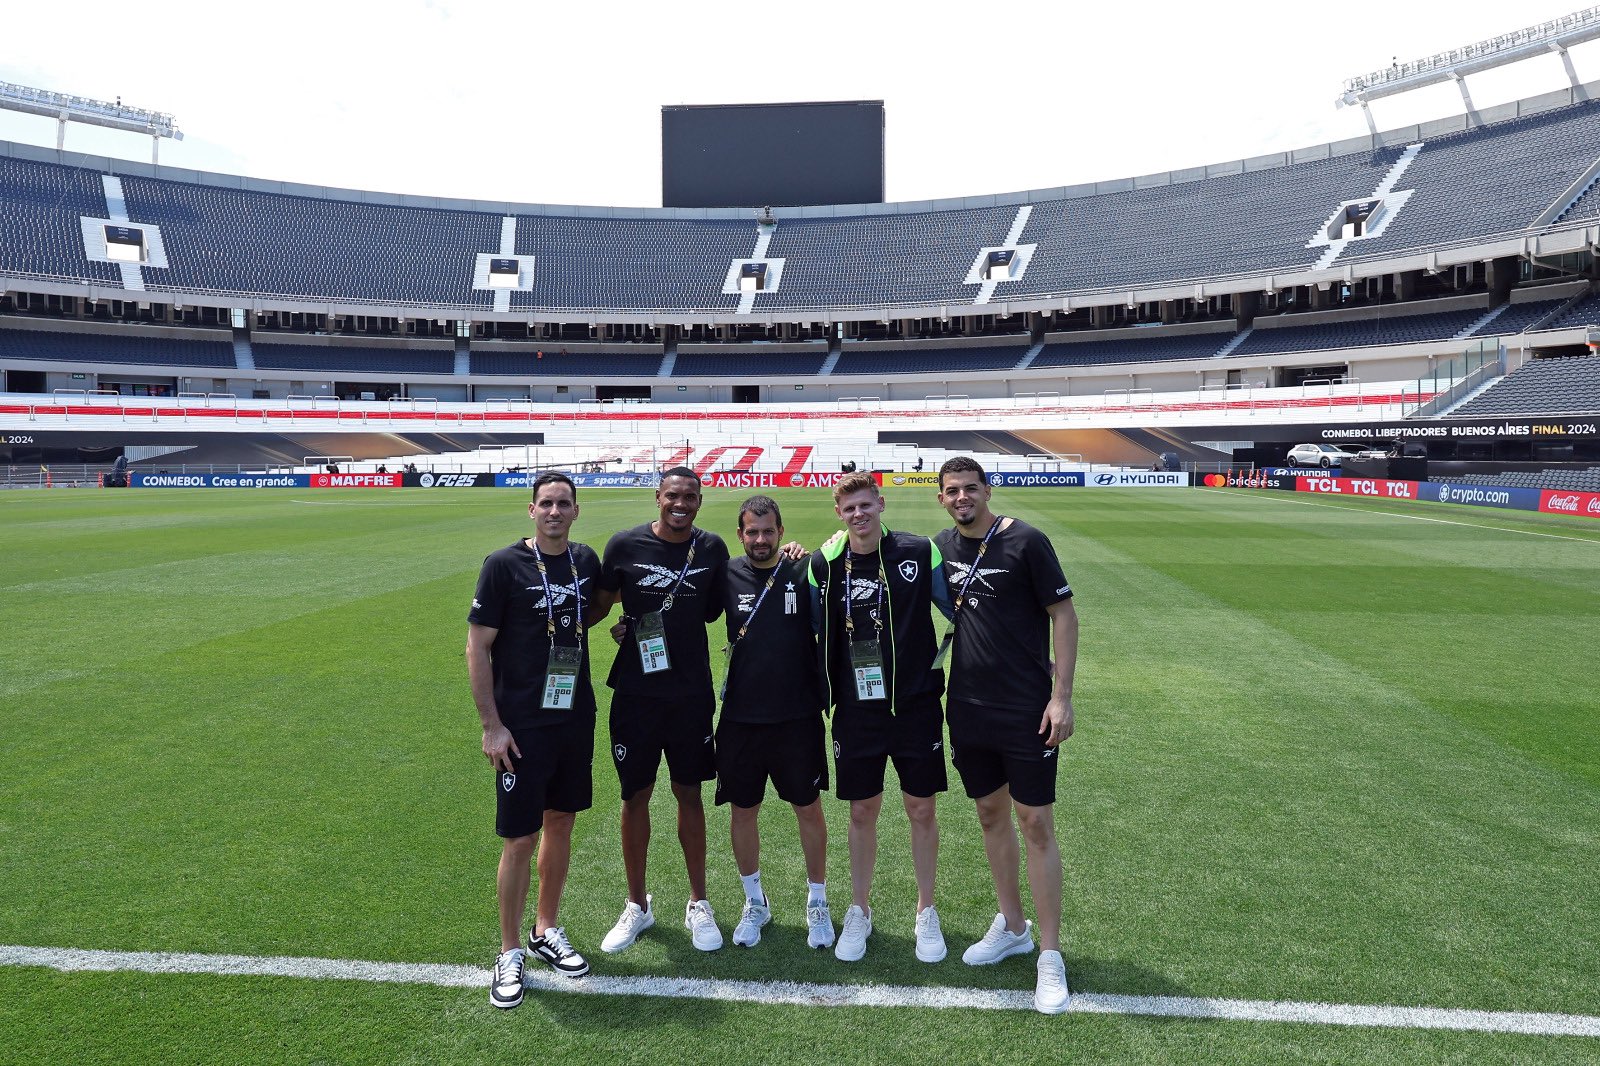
x=595 y=611
x=941 y=588
x=498 y=744
x=1056 y=725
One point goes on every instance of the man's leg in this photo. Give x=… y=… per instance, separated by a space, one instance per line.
x=636 y=842
x=1044 y=871
x=863 y=838
x=924 y=845
x=511 y=886
x=691 y=837
x=814 y=840
x=1000 y=844
x=746 y=835
x=555 y=856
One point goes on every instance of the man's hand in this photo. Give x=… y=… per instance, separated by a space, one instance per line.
x=499 y=746
x=1056 y=724
x=793 y=551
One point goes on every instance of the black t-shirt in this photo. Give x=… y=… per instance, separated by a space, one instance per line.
x=511 y=598
x=1002 y=656
x=647 y=568
x=772 y=676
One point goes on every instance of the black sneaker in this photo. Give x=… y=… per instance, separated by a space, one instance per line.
x=505 y=987
x=554 y=949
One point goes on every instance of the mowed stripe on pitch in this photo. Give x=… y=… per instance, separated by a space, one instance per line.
x=445 y=975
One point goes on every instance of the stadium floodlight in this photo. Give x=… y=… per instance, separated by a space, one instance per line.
x=1556 y=35
x=64 y=108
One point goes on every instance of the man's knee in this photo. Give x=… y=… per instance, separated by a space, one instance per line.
x=994 y=810
x=521 y=848
x=559 y=823
x=1038 y=824
x=743 y=816
x=923 y=811
x=864 y=813
x=810 y=814
x=639 y=802
x=688 y=796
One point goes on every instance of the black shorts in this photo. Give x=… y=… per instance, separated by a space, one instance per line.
x=554 y=773
x=790 y=753
x=643 y=728
x=996 y=746
x=865 y=741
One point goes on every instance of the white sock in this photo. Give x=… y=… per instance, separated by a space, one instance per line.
x=816 y=894
x=752 y=887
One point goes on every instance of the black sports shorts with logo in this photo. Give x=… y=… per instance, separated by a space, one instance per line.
x=865 y=742
x=1000 y=746
x=790 y=753
x=643 y=728
x=554 y=773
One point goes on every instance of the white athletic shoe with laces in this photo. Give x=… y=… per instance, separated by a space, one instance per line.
x=635 y=920
x=505 y=987
x=747 y=934
x=819 y=926
x=1050 y=995
x=702 y=925
x=930 y=938
x=999 y=943
x=852 y=944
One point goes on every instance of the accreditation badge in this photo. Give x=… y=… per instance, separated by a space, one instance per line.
x=561 y=678
x=866 y=658
x=651 y=633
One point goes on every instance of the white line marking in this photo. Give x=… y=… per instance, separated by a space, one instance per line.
x=1413 y=517
x=445 y=975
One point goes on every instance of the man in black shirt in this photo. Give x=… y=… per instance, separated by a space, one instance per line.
x=668 y=576
x=771 y=724
x=872 y=594
x=1010 y=706
x=528 y=661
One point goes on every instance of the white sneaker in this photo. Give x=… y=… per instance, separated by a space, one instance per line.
x=555 y=949
x=853 y=937
x=819 y=927
x=702 y=925
x=930 y=939
x=1050 y=995
x=999 y=943
x=505 y=988
x=634 y=920
x=747 y=934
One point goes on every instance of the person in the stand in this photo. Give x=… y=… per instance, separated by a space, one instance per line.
x=528 y=662
x=1015 y=650
x=873 y=590
x=771 y=724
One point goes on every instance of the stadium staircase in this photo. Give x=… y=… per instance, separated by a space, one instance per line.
x=1033 y=353
x=1488 y=317
x=835 y=350
x=463 y=362
x=1238 y=339
x=243 y=357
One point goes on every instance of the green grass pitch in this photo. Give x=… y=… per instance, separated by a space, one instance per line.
x=1325 y=751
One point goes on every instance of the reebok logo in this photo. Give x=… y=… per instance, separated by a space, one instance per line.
x=659 y=577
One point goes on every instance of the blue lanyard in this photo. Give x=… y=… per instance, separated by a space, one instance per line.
x=973 y=572
x=759 y=601
x=549 y=601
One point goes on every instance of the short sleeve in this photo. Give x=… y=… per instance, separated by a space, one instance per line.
x=611 y=566
x=1050 y=585
x=489 y=599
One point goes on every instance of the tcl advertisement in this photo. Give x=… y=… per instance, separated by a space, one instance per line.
x=1359 y=486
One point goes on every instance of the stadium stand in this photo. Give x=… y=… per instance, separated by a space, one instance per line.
x=1540 y=386
x=1516 y=317
x=1355 y=333
x=926 y=360
x=1586 y=480
x=732 y=366
x=125 y=348
x=1133 y=350
x=351 y=359
x=879 y=259
x=547 y=362
x=646 y=263
x=1585 y=312
x=39 y=228
x=234 y=240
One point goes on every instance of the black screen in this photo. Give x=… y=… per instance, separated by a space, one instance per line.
x=772 y=155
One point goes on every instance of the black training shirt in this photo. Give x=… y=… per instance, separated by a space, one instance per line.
x=1002 y=655
x=772 y=676
x=647 y=568
x=511 y=598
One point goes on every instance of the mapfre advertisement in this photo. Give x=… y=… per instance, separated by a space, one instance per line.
x=356 y=481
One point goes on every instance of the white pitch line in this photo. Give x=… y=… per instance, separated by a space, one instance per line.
x=1413 y=517
x=445 y=975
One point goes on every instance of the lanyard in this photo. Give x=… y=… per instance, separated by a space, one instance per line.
x=549 y=602
x=850 y=595
x=666 y=604
x=759 y=601
x=972 y=573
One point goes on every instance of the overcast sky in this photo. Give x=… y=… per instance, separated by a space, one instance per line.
x=560 y=102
